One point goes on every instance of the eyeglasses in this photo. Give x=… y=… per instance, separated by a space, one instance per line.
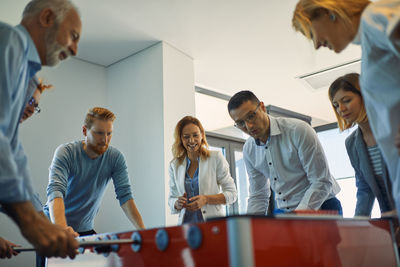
x=33 y=103
x=250 y=118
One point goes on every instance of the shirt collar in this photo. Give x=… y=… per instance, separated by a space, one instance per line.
x=273 y=130
x=188 y=162
x=33 y=84
x=31 y=51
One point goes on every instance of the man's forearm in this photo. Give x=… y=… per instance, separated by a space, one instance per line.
x=257 y=206
x=314 y=196
x=133 y=214
x=23 y=213
x=48 y=239
x=57 y=211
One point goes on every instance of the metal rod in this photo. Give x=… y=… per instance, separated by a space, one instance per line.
x=22 y=249
x=104 y=242
x=85 y=244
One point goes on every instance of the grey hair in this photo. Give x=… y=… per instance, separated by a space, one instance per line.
x=59 y=7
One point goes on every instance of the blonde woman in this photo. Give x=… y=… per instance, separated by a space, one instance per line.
x=200 y=182
x=372 y=179
x=375 y=26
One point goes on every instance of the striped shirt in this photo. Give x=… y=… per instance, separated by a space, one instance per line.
x=376 y=160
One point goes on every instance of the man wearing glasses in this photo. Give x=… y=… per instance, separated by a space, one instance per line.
x=283 y=154
x=32 y=107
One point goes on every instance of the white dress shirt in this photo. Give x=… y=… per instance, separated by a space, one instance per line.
x=293 y=163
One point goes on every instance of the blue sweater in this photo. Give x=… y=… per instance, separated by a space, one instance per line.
x=81 y=182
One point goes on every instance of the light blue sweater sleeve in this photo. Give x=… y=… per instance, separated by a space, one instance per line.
x=121 y=179
x=58 y=173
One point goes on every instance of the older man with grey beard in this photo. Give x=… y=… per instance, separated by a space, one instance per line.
x=49 y=32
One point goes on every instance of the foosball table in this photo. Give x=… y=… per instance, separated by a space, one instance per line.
x=246 y=241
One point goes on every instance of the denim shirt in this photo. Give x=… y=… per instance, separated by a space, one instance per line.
x=19 y=62
x=378 y=35
x=192 y=189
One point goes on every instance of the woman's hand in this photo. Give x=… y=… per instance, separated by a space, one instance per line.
x=181 y=202
x=196 y=202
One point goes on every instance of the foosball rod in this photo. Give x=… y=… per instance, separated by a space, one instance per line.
x=85 y=244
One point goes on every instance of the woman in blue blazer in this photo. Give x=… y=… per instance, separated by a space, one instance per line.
x=371 y=173
x=200 y=183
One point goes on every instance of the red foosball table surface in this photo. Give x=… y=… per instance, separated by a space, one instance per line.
x=249 y=241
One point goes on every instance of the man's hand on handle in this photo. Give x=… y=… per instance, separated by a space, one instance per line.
x=49 y=239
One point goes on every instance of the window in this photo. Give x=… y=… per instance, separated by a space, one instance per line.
x=232 y=149
x=222 y=136
x=242 y=182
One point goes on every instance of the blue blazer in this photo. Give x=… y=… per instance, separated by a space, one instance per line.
x=367 y=188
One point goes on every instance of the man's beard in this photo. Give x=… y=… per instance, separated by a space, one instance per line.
x=100 y=150
x=53 y=49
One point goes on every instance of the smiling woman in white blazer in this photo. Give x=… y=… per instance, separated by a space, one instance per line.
x=204 y=173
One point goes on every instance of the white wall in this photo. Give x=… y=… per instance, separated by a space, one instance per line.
x=149 y=92
x=146 y=91
x=178 y=93
x=135 y=94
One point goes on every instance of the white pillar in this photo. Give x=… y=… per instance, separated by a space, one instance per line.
x=149 y=92
x=178 y=88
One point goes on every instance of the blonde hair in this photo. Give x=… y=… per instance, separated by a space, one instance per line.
x=348 y=82
x=41 y=86
x=98 y=113
x=178 y=150
x=308 y=10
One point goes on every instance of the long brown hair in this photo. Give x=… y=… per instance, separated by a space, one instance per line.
x=349 y=82
x=178 y=150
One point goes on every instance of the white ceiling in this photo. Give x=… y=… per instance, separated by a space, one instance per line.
x=234 y=44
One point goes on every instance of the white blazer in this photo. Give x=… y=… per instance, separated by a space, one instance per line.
x=214 y=177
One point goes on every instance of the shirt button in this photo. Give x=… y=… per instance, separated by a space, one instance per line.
x=287 y=208
x=204 y=211
x=266 y=147
x=280 y=193
x=275 y=178
x=270 y=163
x=284 y=200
